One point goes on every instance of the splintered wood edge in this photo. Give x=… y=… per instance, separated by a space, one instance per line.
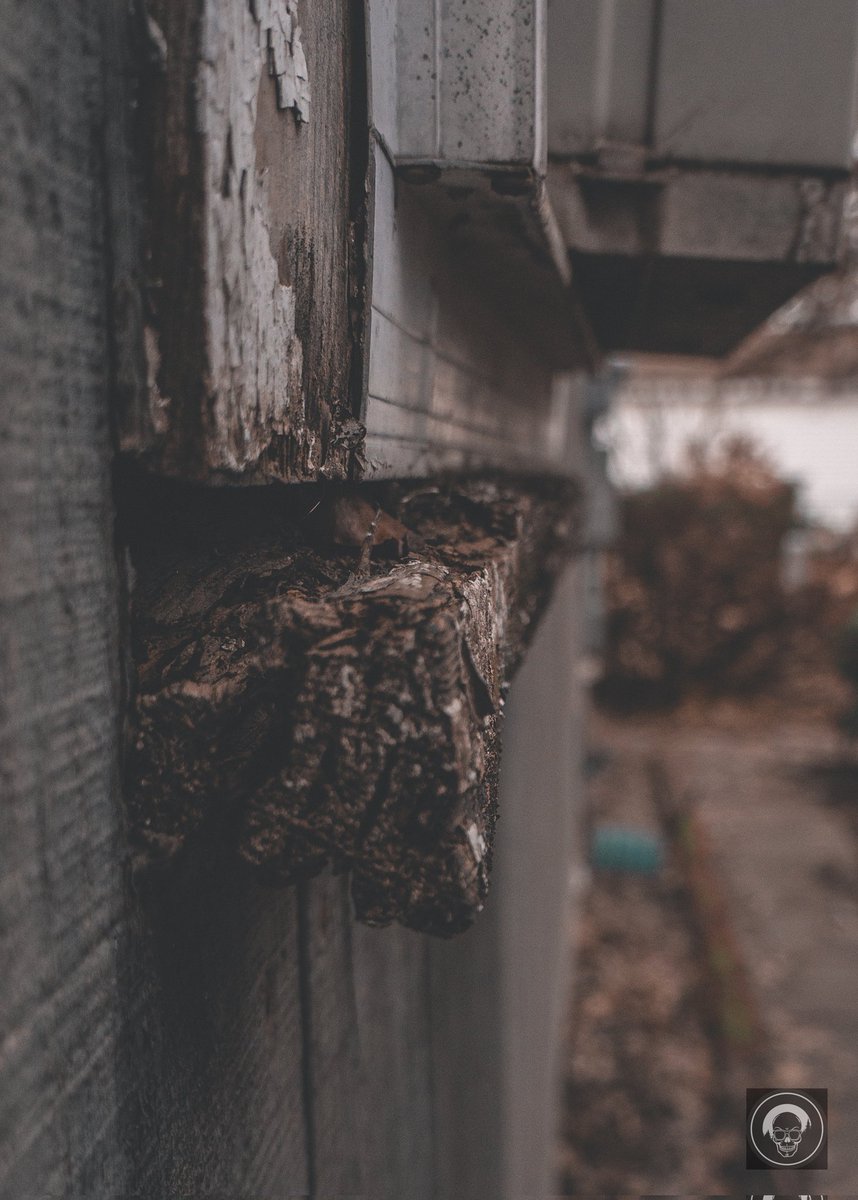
x=319 y=716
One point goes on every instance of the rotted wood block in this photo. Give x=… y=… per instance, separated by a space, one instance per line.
x=325 y=706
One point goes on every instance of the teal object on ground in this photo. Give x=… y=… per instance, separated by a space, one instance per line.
x=620 y=848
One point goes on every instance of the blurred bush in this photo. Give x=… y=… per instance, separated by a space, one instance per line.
x=694 y=593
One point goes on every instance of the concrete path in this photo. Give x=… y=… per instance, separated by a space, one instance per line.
x=781 y=810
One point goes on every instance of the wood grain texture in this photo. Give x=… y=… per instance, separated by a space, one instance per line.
x=152 y=1043
x=59 y=824
x=211 y=1065
x=395 y=1029
x=253 y=245
x=335 y=1081
x=336 y=714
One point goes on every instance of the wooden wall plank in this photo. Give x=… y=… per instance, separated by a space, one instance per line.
x=334 y=1081
x=212 y=1062
x=152 y=1035
x=391 y=980
x=59 y=829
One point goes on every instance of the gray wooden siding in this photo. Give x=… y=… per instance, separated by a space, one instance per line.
x=59 y=821
x=243 y=271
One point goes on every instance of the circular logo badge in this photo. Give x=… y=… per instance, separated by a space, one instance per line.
x=786 y=1129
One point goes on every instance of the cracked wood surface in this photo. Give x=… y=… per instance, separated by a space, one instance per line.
x=329 y=714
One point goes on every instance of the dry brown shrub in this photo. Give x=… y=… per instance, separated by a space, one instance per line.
x=694 y=592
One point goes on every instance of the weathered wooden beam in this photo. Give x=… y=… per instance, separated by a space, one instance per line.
x=322 y=706
x=254 y=139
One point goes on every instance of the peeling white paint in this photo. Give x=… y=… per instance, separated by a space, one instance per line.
x=255 y=358
x=286 y=60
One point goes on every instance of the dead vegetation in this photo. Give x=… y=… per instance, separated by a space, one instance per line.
x=694 y=590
